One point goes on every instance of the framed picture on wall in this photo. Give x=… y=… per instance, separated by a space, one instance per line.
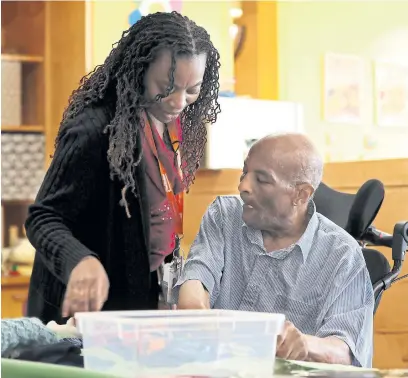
x=343 y=85
x=391 y=94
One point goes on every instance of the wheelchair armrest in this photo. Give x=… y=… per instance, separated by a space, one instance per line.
x=398 y=241
x=399 y=245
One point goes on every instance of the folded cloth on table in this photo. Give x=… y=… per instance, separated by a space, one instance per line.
x=61 y=353
x=73 y=341
x=24 y=332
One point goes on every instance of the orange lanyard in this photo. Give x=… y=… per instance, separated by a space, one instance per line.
x=176 y=201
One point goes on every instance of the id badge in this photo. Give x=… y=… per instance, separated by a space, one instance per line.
x=175 y=270
x=173 y=278
x=170 y=274
x=178 y=259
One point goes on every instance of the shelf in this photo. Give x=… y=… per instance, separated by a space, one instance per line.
x=22 y=58
x=23 y=129
x=14 y=202
x=14 y=280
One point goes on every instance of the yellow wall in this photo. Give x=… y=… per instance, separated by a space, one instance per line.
x=256 y=67
x=108 y=19
x=214 y=16
x=368 y=29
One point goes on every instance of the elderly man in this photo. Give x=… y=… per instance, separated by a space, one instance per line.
x=270 y=251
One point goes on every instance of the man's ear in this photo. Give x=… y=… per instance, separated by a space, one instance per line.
x=304 y=193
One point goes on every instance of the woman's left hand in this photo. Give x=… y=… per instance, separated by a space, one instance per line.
x=66 y=330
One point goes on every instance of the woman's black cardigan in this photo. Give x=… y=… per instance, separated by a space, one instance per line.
x=77 y=214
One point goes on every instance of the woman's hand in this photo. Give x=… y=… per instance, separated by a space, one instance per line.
x=87 y=288
x=66 y=330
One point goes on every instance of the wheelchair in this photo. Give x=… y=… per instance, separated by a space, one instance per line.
x=355 y=213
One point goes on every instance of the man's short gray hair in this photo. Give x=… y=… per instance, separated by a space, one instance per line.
x=307 y=162
x=310 y=168
x=298 y=158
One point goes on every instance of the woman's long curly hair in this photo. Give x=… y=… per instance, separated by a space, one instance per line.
x=121 y=77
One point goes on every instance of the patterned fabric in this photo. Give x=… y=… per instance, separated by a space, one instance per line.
x=162 y=235
x=22 y=165
x=77 y=342
x=24 y=332
x=320 y=283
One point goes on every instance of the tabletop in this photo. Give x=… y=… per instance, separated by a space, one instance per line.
x=283 y=369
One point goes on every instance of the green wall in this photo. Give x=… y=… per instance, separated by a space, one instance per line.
x=369 y=29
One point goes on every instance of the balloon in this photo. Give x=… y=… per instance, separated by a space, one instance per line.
x=145 y=6
x=176 y=5
x=134 y=17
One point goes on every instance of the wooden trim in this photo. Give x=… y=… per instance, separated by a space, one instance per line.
x=387 y=331
x=89 y=45
x=62 y=51
x=13 y=281
x=48 y=106
x=16 y=202
x=268 y=50
x=23 y=129
x=223 y=181
x=22 y=58
x=348 y=175
x=259 y=51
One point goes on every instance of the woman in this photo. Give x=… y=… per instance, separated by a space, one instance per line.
x=103 y=222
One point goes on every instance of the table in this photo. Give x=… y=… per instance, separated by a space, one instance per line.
x=283 y=369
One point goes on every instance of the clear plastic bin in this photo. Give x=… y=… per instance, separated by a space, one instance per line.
x=214 y=343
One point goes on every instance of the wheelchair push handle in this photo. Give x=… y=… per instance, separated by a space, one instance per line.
x=400 y=241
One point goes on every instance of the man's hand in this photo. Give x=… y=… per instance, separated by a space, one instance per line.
x=87 y=288
x=292 y=344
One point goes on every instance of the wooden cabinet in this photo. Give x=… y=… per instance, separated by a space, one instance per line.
x=391 y=319
x=391 y=349
x=47 y=39
x=391 y=328
x=14 y=292
x=23 y=27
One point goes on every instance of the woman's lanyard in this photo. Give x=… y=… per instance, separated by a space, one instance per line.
x=176 y=201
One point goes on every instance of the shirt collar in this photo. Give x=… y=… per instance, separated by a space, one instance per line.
x=306 y=240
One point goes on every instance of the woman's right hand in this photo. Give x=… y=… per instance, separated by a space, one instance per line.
x=87 y=288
